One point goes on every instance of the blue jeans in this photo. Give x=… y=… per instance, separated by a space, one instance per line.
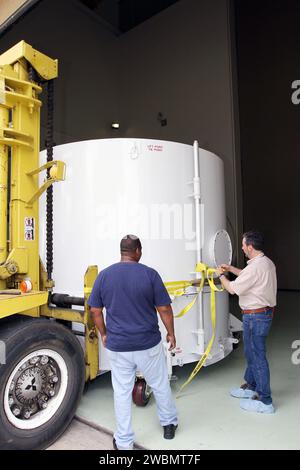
x=152 y=363
x=256 y=328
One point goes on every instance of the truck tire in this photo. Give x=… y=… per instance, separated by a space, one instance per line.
x=40 y=384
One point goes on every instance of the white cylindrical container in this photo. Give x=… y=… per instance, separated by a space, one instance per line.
x=115 y=187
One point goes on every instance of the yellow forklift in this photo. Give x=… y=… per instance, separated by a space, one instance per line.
x=43 y=366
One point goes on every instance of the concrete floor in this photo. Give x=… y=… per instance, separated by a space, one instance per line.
x=80 y=436
x=209 y=417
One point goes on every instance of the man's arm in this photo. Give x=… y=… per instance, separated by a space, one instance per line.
x=166 y=315
x=97 y=316
x=226 y=283
x=223 y=279
x=223 y=268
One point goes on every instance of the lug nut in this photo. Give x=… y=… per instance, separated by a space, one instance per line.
x=54 y=379
x=27 y=414
x=44 y=360
x=44 y=405
x=49 y=391
x=16 y=411
x=10 y=401
x=49 y=372
x=34 y=360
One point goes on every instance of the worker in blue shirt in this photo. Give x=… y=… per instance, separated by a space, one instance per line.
x=131 y=293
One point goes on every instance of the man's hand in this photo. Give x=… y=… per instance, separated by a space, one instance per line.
x=219 y=271
x=166 y=315
x=224 y=281
x=97 y=316
x=226 y=268
x=172 y=340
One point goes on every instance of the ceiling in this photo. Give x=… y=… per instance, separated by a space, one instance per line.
x=119 y=15
x=124 y=15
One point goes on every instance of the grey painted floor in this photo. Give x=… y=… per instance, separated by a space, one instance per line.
x=209 y=417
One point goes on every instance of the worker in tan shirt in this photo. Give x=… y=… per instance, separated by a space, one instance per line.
x=256 y=286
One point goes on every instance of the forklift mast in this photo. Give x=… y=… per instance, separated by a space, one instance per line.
x=22 y=72
x=22 y=69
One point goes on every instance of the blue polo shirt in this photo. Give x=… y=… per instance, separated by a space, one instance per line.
x=130 y=292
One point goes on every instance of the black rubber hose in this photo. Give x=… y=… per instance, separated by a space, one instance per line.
x=65 y=300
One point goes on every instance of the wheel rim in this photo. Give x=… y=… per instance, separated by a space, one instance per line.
x=35 y=389
x=147 y=392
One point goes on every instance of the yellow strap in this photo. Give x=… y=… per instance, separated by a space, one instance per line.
x=207 y=273
x=177 y=289
x=187 y=307
x=211 y=282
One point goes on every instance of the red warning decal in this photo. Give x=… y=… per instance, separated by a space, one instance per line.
x=155 y=147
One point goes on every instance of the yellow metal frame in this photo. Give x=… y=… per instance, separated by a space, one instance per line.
x=19 y=228
x=44 y=65
x=11 y=304
x=91 y=335
x=20 y=136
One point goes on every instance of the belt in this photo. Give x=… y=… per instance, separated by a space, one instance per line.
x=259 y=310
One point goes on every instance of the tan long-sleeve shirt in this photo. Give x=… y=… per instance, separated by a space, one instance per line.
x=256 y=284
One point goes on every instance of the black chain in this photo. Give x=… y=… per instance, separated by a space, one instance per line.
x=49 y=195
x=33 y=76
x=30 y=73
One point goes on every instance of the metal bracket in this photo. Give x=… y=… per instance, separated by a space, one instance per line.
x=57 y=173
x=17 y=262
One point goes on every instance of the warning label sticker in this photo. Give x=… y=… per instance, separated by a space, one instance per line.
x=29 y=228
x=155 y=148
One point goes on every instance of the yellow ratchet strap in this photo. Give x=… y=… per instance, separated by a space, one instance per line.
x=177 y=289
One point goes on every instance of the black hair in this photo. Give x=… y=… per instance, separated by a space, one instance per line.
x=130 y=243
x=254 y=238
